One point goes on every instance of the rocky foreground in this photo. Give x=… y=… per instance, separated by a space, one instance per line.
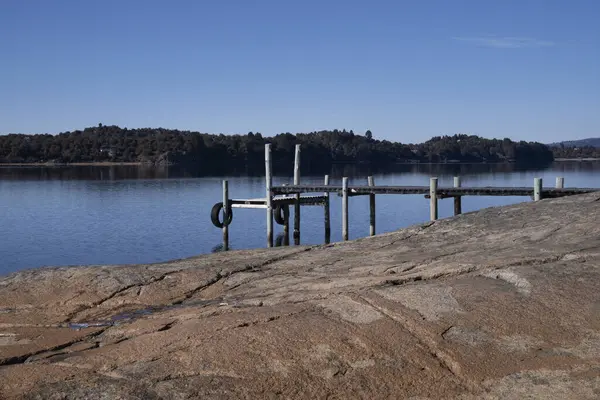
x=503 y=303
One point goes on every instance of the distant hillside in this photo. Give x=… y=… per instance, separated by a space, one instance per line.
x=583 y=148
x=221 y=153
x=590 y=142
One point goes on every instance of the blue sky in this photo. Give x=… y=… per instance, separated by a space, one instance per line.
x=407 y=70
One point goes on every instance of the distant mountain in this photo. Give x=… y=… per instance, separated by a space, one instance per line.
x=590 y=142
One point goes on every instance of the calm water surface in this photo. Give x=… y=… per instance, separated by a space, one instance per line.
x=124 y=214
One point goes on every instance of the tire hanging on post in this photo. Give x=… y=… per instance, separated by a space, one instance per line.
x=214 y=215
x=281 y=214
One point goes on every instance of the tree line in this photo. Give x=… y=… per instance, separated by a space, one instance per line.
x=565 y=151
x=221 y=153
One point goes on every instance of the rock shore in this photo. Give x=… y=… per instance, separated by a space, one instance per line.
x=503 y=303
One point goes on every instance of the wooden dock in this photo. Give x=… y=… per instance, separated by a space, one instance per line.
x=279 y=199
x=442 y=192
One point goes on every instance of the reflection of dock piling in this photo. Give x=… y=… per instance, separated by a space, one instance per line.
x=278 y=199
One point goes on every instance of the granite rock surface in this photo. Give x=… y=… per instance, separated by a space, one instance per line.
x=503 y=303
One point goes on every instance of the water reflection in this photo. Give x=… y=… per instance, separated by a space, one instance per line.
x=91 y=172
x=282 y=240
x=124 y=172
x=349 y=170
x=218 y=248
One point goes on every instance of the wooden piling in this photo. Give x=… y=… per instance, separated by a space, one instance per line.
x=286 y=226
x=560 y=182
x=297 y=204
x=371 y=182
x=344 y=208
x=225 y=215
x=537 y=189
x=433 y=203
x=457 y=199
x=269 y=194
x=327 y=213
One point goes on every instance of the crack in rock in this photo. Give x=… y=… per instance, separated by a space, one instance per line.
x=22 y=359
x=425 y=339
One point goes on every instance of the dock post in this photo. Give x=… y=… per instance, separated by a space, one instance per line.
x=297 y=203
x=327 y=213
x=537 y=189
x=225 y=215
x=560 y=182
x=457 y=199
x=433 y=203
x=344 y=208
x=268 y=183
x=371 y=182
x=286 y=226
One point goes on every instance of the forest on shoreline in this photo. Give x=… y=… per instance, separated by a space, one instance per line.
x=575 y=152
x=222 y=153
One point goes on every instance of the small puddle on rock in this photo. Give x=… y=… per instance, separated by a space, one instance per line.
x=130 y=316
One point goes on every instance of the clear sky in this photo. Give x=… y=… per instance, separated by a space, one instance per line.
x=407 y=70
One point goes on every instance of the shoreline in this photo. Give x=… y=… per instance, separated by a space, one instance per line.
x=139 y=163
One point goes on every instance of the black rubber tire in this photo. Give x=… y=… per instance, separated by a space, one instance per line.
x=214 y=215
x=281 y=213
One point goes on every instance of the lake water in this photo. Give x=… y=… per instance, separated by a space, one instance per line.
x=51 y=216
